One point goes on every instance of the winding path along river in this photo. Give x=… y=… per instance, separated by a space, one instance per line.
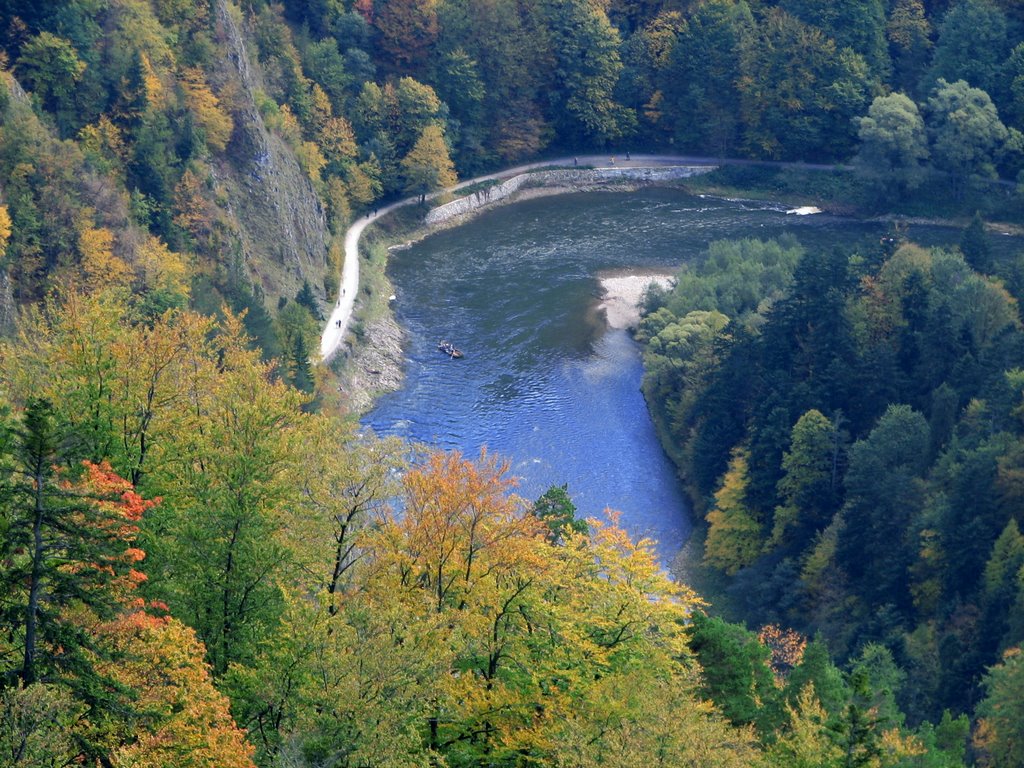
x=547 y=386
x=337 y=323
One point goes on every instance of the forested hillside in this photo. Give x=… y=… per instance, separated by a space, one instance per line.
x=850 y=422
x=200 y=560
x=205 y=149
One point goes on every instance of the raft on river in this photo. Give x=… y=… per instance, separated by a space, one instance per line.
x=449 y=349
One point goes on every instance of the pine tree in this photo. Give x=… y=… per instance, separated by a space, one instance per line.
x=975 y=247
x=66 y=548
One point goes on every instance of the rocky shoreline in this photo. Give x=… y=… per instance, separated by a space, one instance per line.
x=375 y=365
x=375 y=361
x=623 y=290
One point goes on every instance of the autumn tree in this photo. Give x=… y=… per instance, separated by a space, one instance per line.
x=427 y=168
x=734 y=535
x=166 y=274
x=5 y=229
x=799 y=105
x=212 y=120
x=141 y=678
x=407 y=32
x=178 y=715
x=68 y=546
x=998 y=737
x=805 y=742
x=338 y=143
x=858 y=25
x=444 y=609
x=101 y=267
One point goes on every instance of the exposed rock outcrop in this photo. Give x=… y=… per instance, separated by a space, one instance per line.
x=562 y=179
x=281 y=222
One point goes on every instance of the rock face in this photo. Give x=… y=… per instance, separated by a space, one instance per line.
x=374 y=366
x=568 y=178
x=281 y=223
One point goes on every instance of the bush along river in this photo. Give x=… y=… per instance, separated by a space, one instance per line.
x=544 y=382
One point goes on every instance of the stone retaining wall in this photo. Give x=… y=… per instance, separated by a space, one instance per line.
x=582 y=178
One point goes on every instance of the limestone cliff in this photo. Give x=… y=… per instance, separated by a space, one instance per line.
x=281 y=226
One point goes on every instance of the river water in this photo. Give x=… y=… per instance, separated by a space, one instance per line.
x=544 y=383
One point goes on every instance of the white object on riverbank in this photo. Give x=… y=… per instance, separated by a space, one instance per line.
x=805 y=210
x=622 y=296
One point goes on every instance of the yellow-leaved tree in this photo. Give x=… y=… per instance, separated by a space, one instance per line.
x=180 y=718
x=5 y=229
x=428 y=167
x=734 y=536
x=164 y=270
x=101 y=268
x=458 y=632
x=212 y=119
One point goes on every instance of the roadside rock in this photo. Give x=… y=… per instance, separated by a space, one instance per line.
x=556 y=181
x=375 y=364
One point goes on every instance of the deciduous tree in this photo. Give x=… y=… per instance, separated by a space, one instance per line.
x=734 y=536
x=893 y=144
x=427 y=168
x=965 y=131
x=799 y=104
x=51 y=67
x=70 y=546
x=809 y=489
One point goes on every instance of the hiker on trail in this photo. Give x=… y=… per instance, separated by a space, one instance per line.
x=575 y=162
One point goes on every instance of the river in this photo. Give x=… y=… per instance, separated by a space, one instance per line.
x=544 y=383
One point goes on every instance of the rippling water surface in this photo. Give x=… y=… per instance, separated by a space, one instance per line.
x=543 y=383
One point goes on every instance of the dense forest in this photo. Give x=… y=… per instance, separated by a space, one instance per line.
x=201 y=561
x=850 y=422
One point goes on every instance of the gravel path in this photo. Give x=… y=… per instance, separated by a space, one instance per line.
x=341 y=313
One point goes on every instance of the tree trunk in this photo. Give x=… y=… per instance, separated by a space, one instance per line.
x=28 y=668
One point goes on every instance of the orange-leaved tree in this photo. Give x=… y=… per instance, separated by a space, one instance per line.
x=69 y=548
x=119 y=685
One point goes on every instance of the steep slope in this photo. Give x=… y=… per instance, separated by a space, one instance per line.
x=281 y=223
